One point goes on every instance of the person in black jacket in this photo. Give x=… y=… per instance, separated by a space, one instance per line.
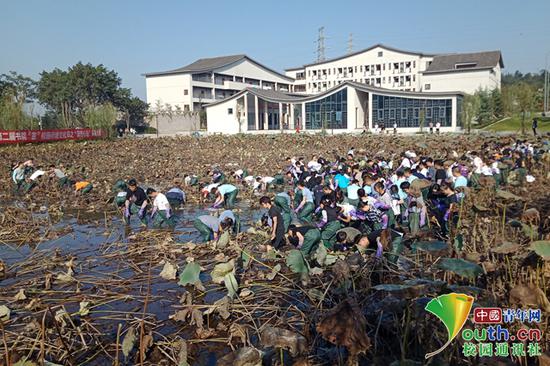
x=136 y=202
x=277 y=223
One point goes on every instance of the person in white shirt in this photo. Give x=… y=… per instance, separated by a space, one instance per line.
x=205 y=191
x=32 y=181
x=314 y=165
x=162 y=212
x=36 y=174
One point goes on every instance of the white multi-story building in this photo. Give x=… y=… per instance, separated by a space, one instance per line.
x=389 y=68
x=210 y=79
x=465 y=72
x=377 y=87
x=378 y=66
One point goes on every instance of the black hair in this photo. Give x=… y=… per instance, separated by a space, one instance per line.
x=294 y=240
x=301 y=183
x=378 y=185
x=265 y=200
x=226 y=223
x=292 y=227
x=149 y=191
x=446 y=185
x=361 y=192
x=132 y=182
x=394 y=189
x=405 y=185
x=363 y=204
x=341 y=236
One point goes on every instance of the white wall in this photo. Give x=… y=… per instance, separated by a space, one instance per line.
x=219 y=121
x=248 y=69
x=169 y=89
x=369 y=58
x=463 y=81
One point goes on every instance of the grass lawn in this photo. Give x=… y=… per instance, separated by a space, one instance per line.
x=513 y=124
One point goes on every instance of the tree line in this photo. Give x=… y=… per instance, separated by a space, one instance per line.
x=520 y=94
x=81 y=96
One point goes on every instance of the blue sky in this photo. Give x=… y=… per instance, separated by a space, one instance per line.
x=135 y=36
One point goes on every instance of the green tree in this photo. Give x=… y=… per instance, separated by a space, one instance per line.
x=77 y=92
x=470 y=109
x=16 y=91
x=485 y=110
x=525 y=97
x=497 y=104
x=55 y=93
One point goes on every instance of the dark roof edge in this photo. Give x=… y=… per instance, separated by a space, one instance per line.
x=336 y=88
x=457 y=70
x=365 y=50
x=174 y=72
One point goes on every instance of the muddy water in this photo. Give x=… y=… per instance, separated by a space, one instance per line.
x=85 y=236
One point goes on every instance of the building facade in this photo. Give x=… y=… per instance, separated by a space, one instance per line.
x=390 y=68
x=210 y=79
x=346 y=108
x=377 y=86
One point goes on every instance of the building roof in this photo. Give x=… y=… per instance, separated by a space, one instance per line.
x=359 y=52
x=476 y=60
x=278 y=96
x=213 y=63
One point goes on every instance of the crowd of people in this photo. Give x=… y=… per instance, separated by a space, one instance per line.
x=26 y=176
x=352 y=202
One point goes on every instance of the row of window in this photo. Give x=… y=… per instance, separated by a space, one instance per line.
x=220 y=79
x=329 y=112
x=392 y=66
x=393 y=81
x=410 y=112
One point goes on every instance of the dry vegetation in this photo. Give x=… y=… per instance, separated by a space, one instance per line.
x=151 y=299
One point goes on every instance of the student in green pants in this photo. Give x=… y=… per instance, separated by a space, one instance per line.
x=18 y=175
x=211 y=227
x=62 y=179
x=226 y=194
x=306 y=208
x=136 y=202
x=282 y=201
x=162 y=212
x=305 y=238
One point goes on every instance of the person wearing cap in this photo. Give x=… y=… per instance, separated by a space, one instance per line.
x=225 y=195
x=175 y=195
x=136 y=202
x=162 y=212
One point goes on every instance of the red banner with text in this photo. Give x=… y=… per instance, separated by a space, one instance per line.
x=25 y=136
